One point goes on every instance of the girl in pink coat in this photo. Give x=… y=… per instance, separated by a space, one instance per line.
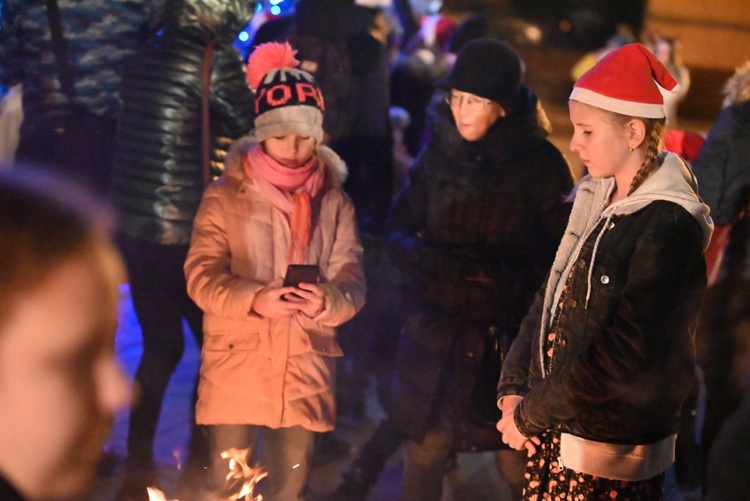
x=269 y=354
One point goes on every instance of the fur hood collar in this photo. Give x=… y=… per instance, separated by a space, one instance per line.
x=233 y=168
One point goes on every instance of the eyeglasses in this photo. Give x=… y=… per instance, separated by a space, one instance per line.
x=476 y=104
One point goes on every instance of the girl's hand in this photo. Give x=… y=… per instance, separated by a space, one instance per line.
x=309 y=299
x=269 y=301
x=513 y=437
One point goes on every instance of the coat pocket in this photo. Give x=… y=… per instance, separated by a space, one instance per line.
x=231 y=342
x=324 y=344
x=230 y=358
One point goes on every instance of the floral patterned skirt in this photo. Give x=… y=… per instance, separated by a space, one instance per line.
x=546 y=480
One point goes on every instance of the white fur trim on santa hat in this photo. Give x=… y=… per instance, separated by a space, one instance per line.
x=628 y=108
x=374 y=4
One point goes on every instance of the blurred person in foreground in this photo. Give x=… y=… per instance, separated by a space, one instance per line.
x=60 y=385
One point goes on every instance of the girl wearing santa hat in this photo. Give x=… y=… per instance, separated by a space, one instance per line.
x=593 y=383
x=269 y=353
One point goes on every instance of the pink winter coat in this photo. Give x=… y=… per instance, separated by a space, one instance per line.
x=270 y=372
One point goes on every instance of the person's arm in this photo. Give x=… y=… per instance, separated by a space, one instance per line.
x=514 y=377
x=719 y=184
x=514 y=382
x=723 y=188
x=345 y=285
x=407 y=219
x=210 y=282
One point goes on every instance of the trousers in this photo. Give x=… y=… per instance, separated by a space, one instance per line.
x=284 y=455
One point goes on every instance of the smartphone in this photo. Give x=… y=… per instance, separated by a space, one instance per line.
x=301 y=273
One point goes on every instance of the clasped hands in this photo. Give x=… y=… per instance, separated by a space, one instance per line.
x=276 y=301
x=507 y=426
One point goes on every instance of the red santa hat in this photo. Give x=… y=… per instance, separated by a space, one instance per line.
x=625 y=81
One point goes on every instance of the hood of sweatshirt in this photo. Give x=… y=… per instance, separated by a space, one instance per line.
x=672 y=182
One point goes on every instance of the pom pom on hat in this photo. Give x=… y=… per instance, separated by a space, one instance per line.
x=266 y=57
x=625 y=82
x=287 y=99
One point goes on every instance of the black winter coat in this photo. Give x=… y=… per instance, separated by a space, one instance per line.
x=631 y=345
x=158 y=176
x=476 y=227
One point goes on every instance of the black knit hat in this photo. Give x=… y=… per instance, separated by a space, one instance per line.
x=487 y=68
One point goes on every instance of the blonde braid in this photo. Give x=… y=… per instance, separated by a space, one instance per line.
x=653 y=149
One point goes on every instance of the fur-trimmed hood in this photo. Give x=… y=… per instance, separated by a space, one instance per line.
x=233 y=168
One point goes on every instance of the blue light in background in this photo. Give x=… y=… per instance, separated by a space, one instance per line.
x=243 y=36
x=275 y=10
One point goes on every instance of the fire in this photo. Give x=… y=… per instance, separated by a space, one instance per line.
x=156 y=495
x=177 y=455
x=242 y=475
x=241 y=479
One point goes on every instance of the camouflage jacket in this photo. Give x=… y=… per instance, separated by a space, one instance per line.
x=100 y=36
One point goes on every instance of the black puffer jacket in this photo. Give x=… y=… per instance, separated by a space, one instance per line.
x=158 y=178
x=476 y=227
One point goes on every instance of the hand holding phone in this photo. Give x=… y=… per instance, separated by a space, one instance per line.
x=308 y=274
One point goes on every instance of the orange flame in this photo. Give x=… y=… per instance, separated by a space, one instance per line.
x=177 y=455
x=242 y=475
x=241 y=479
x=156 y=495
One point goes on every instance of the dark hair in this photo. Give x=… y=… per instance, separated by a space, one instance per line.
x=44 y=220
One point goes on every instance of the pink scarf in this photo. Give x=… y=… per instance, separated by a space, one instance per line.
x=290 y=190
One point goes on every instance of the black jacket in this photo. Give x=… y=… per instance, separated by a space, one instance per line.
x=724 y=177
x=475 y=227
x=158 y=176
x=623 y=354
x=626 y=387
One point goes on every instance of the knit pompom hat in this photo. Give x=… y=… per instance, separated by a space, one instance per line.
x=487 y=68
x=287 y=99
x=625 y=82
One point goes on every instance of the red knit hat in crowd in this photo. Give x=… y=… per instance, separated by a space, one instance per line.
x=624 y=81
